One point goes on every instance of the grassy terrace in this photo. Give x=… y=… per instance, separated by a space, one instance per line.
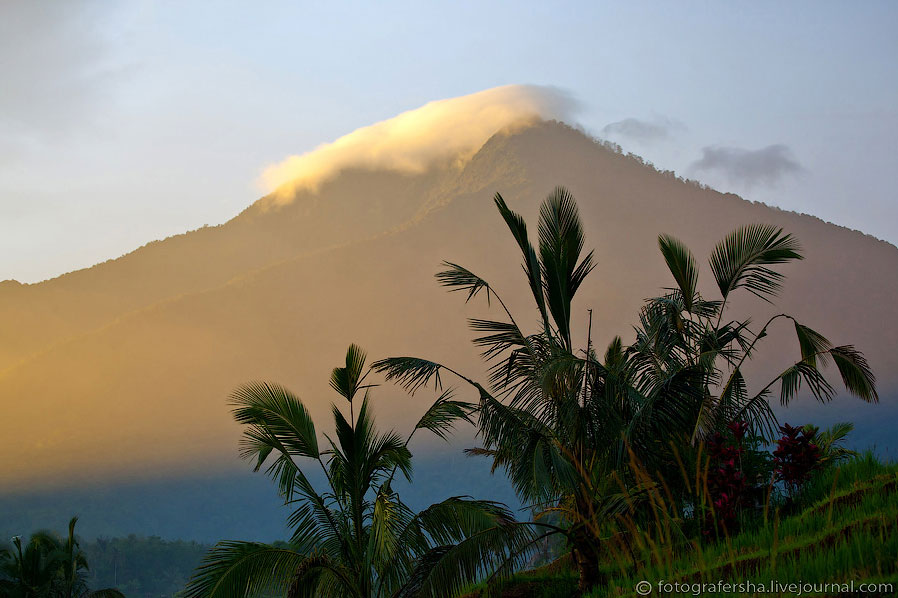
x=848 y=531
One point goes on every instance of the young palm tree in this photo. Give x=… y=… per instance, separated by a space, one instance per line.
x=565 y=426
x=355 y=538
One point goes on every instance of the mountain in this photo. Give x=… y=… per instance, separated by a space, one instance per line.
x=123 y=370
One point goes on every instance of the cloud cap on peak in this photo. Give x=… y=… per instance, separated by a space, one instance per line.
x=439 y=131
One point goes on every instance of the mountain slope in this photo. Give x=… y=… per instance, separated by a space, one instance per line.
x=36 y=316
x=131 y=361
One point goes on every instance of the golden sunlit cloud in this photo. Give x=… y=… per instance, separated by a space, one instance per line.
x=444 y=130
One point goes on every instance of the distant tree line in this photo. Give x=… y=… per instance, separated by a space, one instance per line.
x=143 y=567
x=46 y=565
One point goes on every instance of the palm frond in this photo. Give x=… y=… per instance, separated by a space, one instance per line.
x=347 y=380
x=682 y=266
x=319 y=576
x=279 y=412
x=448 y=569
x=316 y=527
x=814 y=346
x=387 y=521
x=735 y=406
x=803 y=372
x=459 y=278
x=441 y=417
x=455 y=518
x=411 y=373
x=276 y=421
x=758 y=413
x=560 y=245
x=502 y=336
x=243 y=570
x=531 y=264
x=829 y=442
x=733 y=397
x=741 y=260
x=856 y=373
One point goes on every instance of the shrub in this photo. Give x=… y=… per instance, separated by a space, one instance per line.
x=726 y=481
x=795 y=458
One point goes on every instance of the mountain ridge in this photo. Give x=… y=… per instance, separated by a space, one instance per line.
x=117 y=385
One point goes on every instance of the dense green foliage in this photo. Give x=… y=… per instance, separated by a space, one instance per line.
x=47 y=566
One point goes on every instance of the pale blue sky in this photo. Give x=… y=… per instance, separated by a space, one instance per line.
x=120 y=126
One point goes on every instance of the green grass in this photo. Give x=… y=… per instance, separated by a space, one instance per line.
x=846 y=529
x=550 y=581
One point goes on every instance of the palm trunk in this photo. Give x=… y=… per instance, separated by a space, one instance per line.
x=585 y=548
x=584 y=535
x=585 y=552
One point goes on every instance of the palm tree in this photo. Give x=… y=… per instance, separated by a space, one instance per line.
x=355 y=538
x=684 y=336
x=29 y=571
x=554 y=417
x=565 y=425
x=48 y=567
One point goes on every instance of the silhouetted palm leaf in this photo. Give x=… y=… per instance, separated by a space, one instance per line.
x=441 y=417
x=241 y=569
x=560 y=245
x=681 y=264
x=411 y=373
x=347 y=380
x=856 y=374
x=532 y=266
x=741 y=259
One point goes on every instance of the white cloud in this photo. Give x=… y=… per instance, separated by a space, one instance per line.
x=765 y=166
x=440 y=131
x=642 y=131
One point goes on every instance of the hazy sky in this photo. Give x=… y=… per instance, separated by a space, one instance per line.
x=123 y=125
